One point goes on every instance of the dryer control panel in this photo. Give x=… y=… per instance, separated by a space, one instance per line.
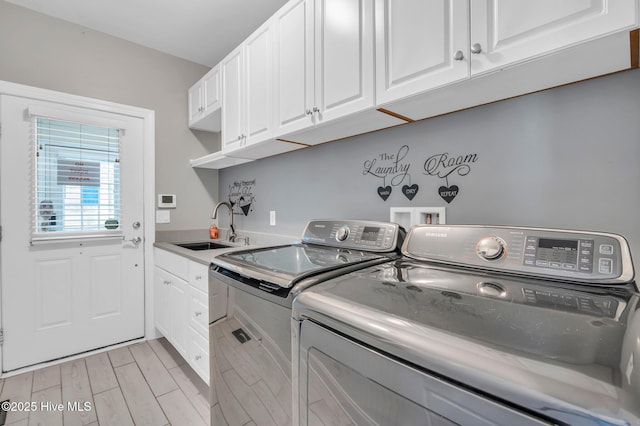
x=355 y=234
x=568 y=255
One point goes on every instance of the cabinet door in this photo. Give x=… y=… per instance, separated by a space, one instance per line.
x=195 y=102
x=232 y=93
x=259 y=92
x=416 y=45
x=161 y=286
x=211 y=89
x=508 y=31
x=293 y=26
x=178 y=312
x=344 y=61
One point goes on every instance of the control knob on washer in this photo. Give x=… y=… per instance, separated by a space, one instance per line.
x=490 y=248
x=342 y=234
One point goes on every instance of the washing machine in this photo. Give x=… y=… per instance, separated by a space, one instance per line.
x=474 y=325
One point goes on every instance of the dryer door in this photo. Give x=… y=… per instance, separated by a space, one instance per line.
x=343 y=382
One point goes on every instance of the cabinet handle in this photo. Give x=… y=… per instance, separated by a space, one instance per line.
x=198 y=357
x=316 y=109
x=308 y=111
x=198 y=314
x=458 y=56
x=239 y=137
x=476 y=48
x=165 y=282
x=198 y=277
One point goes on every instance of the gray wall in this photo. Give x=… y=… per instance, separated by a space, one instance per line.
x=45 y=52
x=567 y=157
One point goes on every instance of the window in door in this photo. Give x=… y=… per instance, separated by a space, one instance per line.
x=77 y=180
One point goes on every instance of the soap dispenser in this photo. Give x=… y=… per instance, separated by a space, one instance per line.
x=213 y=231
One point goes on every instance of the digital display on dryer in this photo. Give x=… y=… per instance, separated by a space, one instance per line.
x=557 y=251
x=370 y=233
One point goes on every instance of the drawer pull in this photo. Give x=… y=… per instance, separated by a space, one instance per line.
x=198 y=314
x=198 y=357
x=198 y=277
x=165 y=282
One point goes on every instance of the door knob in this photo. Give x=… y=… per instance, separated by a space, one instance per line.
x=135 y=241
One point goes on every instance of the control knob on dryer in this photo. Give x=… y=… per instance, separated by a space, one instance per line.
x=491 y=248
x=342 y=234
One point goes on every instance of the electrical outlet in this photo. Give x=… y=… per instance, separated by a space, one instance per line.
x=272 y=218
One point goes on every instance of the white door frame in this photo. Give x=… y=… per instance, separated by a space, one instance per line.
x=148 y=117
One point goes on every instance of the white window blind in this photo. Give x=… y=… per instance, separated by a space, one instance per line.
x=77 y=180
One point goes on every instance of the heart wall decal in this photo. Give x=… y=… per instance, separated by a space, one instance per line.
x=384 y=192
x=448 y=193
x=410 y=191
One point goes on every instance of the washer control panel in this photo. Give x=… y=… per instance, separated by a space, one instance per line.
x=354 y=234
x=568 y=255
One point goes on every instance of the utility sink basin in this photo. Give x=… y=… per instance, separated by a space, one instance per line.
x=207 y=245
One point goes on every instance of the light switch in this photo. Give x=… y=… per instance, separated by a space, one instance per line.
x=163 y=216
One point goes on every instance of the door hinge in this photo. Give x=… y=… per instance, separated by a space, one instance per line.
x=1 y=336
x=0 y=233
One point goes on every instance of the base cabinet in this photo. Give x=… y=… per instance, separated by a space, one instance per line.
x=184 y=306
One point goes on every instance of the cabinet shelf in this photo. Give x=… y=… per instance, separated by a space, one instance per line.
x=217 y=160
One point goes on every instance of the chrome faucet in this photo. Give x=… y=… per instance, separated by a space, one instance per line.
x=232 y=233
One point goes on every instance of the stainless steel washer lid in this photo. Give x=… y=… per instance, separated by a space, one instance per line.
x=286 y=265
x=329 y=244
x=563 y=351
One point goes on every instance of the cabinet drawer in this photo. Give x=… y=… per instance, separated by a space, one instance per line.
x=199 y=275
x=174 y=263
x=199 y=354
x=199 y=311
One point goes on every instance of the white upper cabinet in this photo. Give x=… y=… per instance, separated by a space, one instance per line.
x=420 y=45
x=205 y=102
x=247 y=82
x=424 y=45
x=324 y=61
x=507 y=31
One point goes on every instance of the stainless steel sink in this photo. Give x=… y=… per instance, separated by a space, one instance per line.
x=206 y=245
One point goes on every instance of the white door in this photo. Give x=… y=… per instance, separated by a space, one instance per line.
x=232 y=92
x=258 y=103
x=69 y=285
x=343 y=57
x=195 y=102
x=508 y=31
x=417 y=45
x=294 y=66
x=211 y=89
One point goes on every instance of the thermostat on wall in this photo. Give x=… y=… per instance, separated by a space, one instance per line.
x=166 y=201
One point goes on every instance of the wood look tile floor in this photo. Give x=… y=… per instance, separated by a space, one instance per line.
x=145 y=383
